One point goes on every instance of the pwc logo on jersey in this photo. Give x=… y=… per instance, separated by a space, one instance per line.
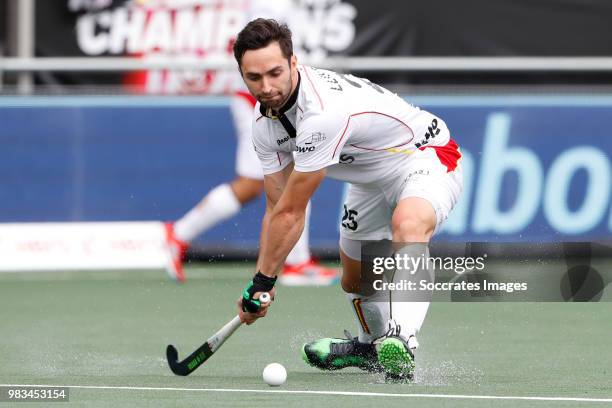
x=316 y=137
x=304 y=149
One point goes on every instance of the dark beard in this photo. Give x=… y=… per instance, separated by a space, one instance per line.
x=276 y=110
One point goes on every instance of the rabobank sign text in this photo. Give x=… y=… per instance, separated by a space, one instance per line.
x=532 y=173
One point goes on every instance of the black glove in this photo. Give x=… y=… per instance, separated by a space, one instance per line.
x=260 y=283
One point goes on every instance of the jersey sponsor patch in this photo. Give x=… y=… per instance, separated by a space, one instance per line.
x=283 y=140
x=304 y=149
x=432 y=131
x=316 y=137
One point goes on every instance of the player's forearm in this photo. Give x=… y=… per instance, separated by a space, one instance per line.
x=263 y=237
x=283 y=231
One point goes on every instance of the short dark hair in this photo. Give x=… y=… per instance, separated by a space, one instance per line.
x=259 y=33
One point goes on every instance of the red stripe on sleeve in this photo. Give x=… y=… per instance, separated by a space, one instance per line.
x=248 y=97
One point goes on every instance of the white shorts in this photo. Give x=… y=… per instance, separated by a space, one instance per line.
x=247 y=162
x=368 y=208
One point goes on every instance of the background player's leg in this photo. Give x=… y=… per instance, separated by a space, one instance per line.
x=301 y=269
x=221 y=203
x=301 y=252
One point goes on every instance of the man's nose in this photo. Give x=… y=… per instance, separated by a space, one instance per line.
x=266 y=87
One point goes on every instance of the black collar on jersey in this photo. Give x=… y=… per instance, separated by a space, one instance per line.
x=284 y=120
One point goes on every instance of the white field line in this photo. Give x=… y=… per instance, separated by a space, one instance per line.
x=307 y=392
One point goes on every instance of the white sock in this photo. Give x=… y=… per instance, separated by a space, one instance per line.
x=372 y=317
x=300 y=252
x=405 y=312
x=219 y=204
x=375 y=314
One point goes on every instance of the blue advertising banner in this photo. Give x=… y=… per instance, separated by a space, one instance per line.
x=533 y=171
x=536 y=168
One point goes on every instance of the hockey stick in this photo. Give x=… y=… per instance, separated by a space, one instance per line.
x=206 y=350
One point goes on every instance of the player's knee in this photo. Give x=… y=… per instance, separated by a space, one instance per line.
x=351 y=270
x=255 y=189
x=358 y=285
x=351 y=275
x=247 y=189
x=413 y=228
x=349 y=285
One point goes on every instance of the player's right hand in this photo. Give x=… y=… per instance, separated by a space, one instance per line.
x=249 y=303
x=250 y=318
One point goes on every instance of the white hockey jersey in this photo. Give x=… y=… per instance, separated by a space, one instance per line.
x=358 y=130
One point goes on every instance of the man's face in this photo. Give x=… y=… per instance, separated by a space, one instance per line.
x=269 y=76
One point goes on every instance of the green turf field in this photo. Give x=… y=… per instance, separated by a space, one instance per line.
x=110 y=330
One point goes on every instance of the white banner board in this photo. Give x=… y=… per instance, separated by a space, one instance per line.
x=82 y=245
